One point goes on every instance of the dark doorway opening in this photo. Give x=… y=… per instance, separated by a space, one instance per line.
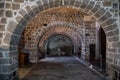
x=92 y=53
x=103 y=49
x=59 y=45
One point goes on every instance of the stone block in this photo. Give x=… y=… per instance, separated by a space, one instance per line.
x=15 y=6
x=116 y=32
x=116 y=45
x=41 y=8
x=110 y=21
x=18 y=30
x=109 y=59
x=3 y=20
x=19 y=1
x=8 y=5
x=2 y=27
x=1 y=34
x=105 y=17
x=12 y=26
x=23 y=23
x=111 y=27
x=28 y=9
x=117 y=56
x=27 y=17
x=2 y=13
x=90 y=6
x=9 y=13
x=96 y=7
x=23 y=12
x=84 y=4
x=4 y=61
x=2 y=5
x=77 y=4
x=5 y=69
x=107 y=3
x=6 y=76
x=14 y=40
x=51 y=4
x=45 y=1
x=7 y=38
x=71 y=2
x=1 y=54
x=56 y=3
x=31 y=14
x=18 y=18
x=113 y=39
x=14 y=53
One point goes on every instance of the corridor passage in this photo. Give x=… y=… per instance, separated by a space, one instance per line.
x=61 y=68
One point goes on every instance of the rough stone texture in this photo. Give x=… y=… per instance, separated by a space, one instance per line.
x=22 y=12
x=107 y=3
x=2 y=5
x=65 y=68
x=2 y=27
x=21 y=1
x=1 y=13
x=12 y=26
x=15 y=6
x=9 y=13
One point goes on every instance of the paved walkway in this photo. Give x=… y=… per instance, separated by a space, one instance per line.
x=61 y=68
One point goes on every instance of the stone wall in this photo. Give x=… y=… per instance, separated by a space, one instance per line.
x=16 y=14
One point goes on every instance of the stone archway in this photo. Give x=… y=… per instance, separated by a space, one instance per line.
x=25 y=15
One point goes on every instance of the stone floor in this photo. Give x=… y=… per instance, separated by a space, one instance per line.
x=61 y=68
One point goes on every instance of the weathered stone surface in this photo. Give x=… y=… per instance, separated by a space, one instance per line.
x=111 y=27
x=71 y=2
x=107 y=3
x=96 y=7
x=90 y=6
x=1 y=13
x=9 y=13
x=116 y=44
x=23 y=12
x=7 y=38
x=6 y=76
x=117 y=56
x=14 y=40
x=18 y=18
x=0 y=41
x=113 y=39
x=2 y=5
x=105 y=17
x=3 y=20
x=2 y=27
x=15 y=6
x=12 y=26
x=4 y=61
x=8 y=5
x=18 y=30
x=1 y=54
x=28 y=9
x=1 y=34
x=21 y=1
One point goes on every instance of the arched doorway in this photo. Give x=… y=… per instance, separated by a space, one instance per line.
x=101 y=50
x=59 y=45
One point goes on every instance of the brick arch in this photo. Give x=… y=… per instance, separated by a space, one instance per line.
x=67 y=28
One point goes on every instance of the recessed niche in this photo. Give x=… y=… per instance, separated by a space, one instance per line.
x=44 y=24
